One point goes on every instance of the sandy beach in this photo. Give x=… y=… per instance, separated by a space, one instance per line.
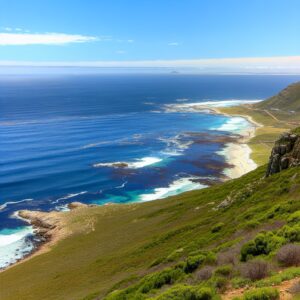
x=237 y=154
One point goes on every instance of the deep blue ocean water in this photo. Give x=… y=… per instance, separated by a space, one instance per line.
x=61 y=135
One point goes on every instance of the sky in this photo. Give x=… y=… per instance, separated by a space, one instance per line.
x=174 y=33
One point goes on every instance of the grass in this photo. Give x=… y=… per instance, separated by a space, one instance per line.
x=265 y=136
x=152 y=250
x=128 y=239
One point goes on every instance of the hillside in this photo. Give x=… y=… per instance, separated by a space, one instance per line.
x=277 y=114
x=287 y=101
x=195 y=239
x=213 y=243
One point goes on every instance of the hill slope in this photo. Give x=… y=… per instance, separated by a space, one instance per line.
x=287 y=100
x=277 y=114
x=284 y=106
x=195 y=245
x=127 y=242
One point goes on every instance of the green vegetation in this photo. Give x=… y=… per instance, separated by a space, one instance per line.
x=145 y=250
x=182 y=292
x=277 y=114
x=262 y=294
x=190 y=246
x=263 y=243
x=286 y=103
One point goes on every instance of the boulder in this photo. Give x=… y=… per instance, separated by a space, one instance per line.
x=285 y=153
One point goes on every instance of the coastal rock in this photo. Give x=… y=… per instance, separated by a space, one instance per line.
x=285 y=154
x=74 y=205
x=37 y=219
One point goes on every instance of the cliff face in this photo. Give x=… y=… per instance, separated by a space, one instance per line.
x=285 y=153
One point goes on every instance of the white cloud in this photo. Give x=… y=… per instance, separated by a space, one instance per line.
x=250 y=65
x=173 y=44
x=120 y=52
x=21 y=39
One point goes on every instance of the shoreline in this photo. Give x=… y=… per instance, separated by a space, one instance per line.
x=238 y=154
x=49 y=227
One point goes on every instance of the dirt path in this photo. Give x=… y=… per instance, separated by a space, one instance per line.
x=283 y=290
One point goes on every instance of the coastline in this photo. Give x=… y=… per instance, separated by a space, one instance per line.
x=50 y=227
x=239 y=154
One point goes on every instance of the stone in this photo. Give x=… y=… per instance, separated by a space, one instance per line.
x=285 y=154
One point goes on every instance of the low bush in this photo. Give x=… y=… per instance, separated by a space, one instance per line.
x=263 y=243
x=220 y=283
x=157 y=280
x=290 y=233
x=224 y=271
x=204 y=273
x=255 y=270
x=228 y=257
x=183 y=292
x=289 y=255
x=287 y=274
x=210 y=258
x=294 y=218
x=262 y=294
x=217 y=227
x=295 y=288
x=193 y=262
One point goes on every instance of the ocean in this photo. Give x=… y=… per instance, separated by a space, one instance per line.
x=108 y=138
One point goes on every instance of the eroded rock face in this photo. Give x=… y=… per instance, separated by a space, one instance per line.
x=285 y=153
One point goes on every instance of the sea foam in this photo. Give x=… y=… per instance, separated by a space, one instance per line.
x=176 y=187
x=4 y=205
x=138 y=163
x=14 y=244
x=196 y=106
x=234 y=125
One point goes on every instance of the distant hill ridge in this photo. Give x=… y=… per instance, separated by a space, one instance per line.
x=287 y=100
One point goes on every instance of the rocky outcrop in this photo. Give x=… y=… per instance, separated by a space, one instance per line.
x=285 y=153
x=44 y=223
x=75 y=205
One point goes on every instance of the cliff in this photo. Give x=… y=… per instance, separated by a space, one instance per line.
x=285 y=153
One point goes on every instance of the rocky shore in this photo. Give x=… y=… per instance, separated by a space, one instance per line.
x=49 y=227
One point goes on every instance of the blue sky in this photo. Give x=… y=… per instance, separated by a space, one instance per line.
x=147 y=30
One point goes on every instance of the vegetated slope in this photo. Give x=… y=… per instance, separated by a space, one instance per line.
x=190 y=244
x=287 y=100
x=277 y=114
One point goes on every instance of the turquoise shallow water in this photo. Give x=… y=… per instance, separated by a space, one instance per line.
x=62 y=135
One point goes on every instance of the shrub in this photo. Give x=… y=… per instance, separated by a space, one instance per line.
x=157 y=280
x=255 y=269
x=224 y=270
x=295 y=288
x=263 y=243
x=262 y=294
x=217 y=227
x=289 y=255
x=220 y=283
x=175 y=255
x=183 y=292
x=193 y=262
x=210 y=258
x=204 y=273
x=228 y=257
x=294 y=218
x=251 y=224
x=290 y=233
